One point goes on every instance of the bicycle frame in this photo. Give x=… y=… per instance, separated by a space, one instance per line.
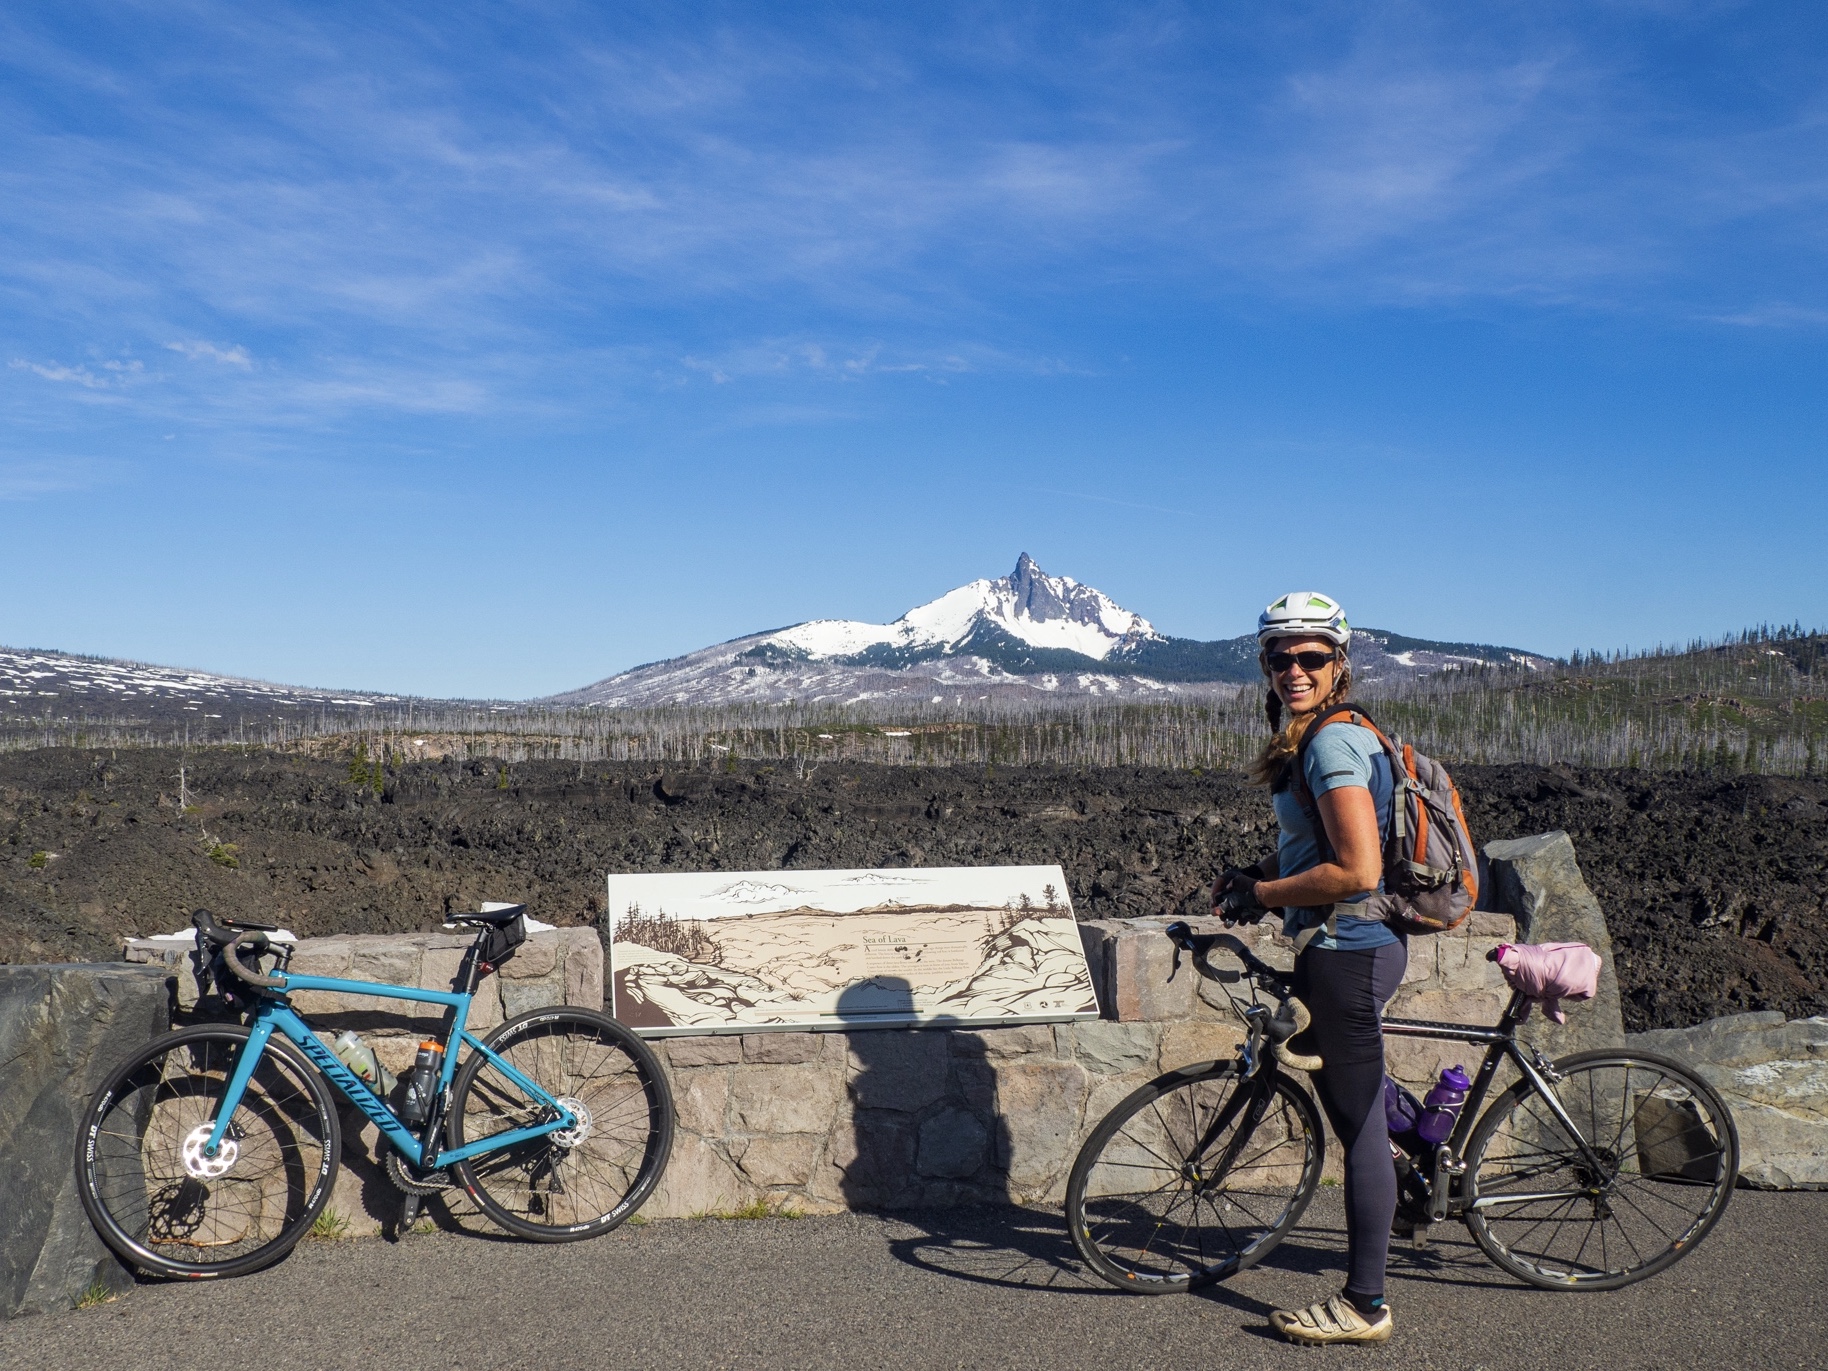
x=1500 y=1043
x=275 y=1015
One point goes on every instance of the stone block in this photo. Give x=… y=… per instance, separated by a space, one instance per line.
x=1111 y=1049
x=952 y=1144
x=1774 y=1077
x=485 y=1007
x=388 y=960
x=1729 y=1041
x=1186 y=1043
x=1095 y=936
x=1418 y=1062
x=975 y=1081
x=1460 y=964
x=893 y=1068
x=778 y=1161
x=1018 y=1040
x=1538 y=882
x=720 y=1049
x=583 y=968
x=870 y=1162
x=438 y=970
x=1141 y=962
x=783 y=1099
x=533 y=959
x=698 y=1180
x=1485 y=924
x=700 y=1098
x=519 y=997
x=322 y=957
x=781 y=1047
x=1424 y=959
x=1040 y=1104
x=63 y=1029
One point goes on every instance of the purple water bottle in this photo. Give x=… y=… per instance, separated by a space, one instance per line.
x=1441 y=1108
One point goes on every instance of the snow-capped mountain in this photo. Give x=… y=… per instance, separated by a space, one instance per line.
x=1054 y=613
x=1026 y=635
x=59 y=686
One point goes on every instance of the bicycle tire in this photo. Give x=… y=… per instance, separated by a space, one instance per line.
x=1130 y=1199
x=1670 y=1153
x=561 y=1188
x=163 y=1211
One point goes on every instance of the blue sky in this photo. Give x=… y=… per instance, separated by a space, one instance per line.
x=486 y=350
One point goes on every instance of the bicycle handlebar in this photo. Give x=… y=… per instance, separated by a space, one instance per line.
x=229 y=940
x=1200 y=944
x=257 y=943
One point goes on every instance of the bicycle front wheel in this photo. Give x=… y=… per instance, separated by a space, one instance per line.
x=1193 y=1177
x=581 y=1180
x=1654 y=1177
x=167 y=1207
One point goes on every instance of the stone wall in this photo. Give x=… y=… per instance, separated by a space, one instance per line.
x=63 y=1029
x=902 y=1118
x=563 y=966
x=1774 y=1077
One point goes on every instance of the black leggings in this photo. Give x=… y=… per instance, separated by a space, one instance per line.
x=1346 y=993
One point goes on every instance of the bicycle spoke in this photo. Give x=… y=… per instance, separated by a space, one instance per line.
x=1651 y=1179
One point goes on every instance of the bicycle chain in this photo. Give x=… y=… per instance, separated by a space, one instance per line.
x=409 y=1180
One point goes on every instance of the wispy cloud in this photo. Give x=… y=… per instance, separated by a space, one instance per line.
x=209 y=352
x=104 y=376
x=333 y=190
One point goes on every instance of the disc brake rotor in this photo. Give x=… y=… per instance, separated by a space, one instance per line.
x=574 y=1135
x=197 y=1161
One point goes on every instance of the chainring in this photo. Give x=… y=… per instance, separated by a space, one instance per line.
x=410 y=1180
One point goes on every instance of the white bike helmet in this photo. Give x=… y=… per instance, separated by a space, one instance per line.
x=1304 y=614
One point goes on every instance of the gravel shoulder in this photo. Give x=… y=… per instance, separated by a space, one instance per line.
x=988 y=1288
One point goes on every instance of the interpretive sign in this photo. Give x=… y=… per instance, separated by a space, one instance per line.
x=737 y=951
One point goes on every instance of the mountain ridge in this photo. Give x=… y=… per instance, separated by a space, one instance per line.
x=1024 y=635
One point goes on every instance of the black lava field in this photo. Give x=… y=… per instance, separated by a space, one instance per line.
x=1715 y=887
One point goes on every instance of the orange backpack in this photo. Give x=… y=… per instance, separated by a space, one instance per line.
x=1431 y=871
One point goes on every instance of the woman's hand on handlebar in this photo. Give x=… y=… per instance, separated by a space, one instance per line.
x=1234 y=897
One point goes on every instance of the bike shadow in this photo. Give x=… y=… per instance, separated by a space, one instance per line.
x=1015 y=1248
x=1020 y=1248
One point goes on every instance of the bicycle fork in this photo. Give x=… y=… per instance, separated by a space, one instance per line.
x=1256 y=1102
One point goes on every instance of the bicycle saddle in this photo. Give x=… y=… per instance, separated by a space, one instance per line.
x=496 y=918
x=222 y=929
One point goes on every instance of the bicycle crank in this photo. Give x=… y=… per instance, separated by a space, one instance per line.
x=410 y=1180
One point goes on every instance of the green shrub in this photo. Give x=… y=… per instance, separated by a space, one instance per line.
x=226 y=854
x=38 y=861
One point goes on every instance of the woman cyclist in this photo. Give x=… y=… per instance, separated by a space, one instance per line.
x=1347 y=968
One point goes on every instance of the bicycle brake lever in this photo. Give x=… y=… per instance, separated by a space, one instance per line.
x=1177 y=962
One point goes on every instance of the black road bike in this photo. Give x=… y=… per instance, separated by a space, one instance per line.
x=1588 y=1173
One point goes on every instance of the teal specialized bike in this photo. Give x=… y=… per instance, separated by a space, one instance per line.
x=213 y=1150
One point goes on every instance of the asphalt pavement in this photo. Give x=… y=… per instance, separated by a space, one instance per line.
x=986 y=1288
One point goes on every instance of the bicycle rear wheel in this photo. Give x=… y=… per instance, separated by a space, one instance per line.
x=580 y=1181
x=1664 y=1158
x=1155 y=1205
x=169 y=1209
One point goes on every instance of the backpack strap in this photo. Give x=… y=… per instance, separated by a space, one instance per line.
x=1399 y=774
x=1298 y=783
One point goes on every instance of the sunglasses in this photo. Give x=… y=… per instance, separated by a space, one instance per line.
x=1307 y=661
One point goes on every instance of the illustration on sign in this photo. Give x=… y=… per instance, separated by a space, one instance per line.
x=695 y=953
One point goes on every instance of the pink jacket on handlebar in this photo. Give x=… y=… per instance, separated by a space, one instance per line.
x=1548 y=973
